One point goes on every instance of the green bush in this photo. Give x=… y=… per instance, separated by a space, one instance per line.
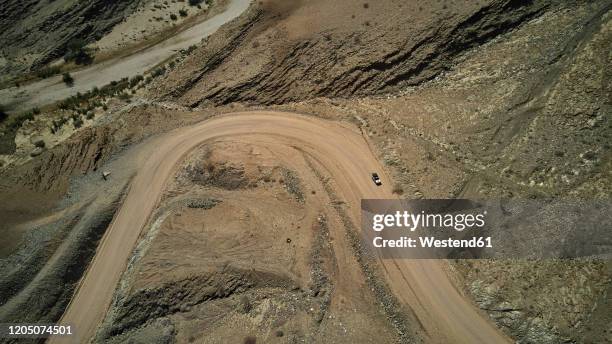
x=78 y=123
x=135 y=80
x=183 y=12
x=173 y=16
x=190 y=49
x=77 y=51
x=68 y=79
x=158 y=71
x=57 y=124
x=77 y=120
x=17 y=122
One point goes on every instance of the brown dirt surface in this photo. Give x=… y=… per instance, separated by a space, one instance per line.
x=247 y=157
x=343 y=154
x=286 y=275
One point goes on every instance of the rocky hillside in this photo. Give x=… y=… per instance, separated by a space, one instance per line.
x=356 y=49
x=491 y=99
x=473 y=99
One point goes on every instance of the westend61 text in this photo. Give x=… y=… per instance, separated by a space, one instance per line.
x=431 y=242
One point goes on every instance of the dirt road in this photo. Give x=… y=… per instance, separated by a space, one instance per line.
x=53 y=89
x=422 y=285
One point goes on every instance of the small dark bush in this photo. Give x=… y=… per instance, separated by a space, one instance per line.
x=173 y=16
x=3 y=114
x=194 y=2
x=57 y=124
x=78 y=123
x=190 y=49
x=183 y=12
x=158 y=71
x=77 y=51
x=18 y=120
x=68 y=79
x=135 y=80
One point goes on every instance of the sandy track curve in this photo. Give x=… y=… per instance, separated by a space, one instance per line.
x=421 y=284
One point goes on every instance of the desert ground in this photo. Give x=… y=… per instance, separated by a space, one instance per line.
x=211 y=193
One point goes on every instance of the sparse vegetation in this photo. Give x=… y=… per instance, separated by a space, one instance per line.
x=48 y=72
x=135 y=81
x=293 y=184
x=125 y=96
x=77 y=120
x=207 y=203
x=84 y=102
x=68 y=79
x=158 y=71
x=18 y=120
x=58 y=124
x=78 y=52
x=190 y=49
x=199 y=2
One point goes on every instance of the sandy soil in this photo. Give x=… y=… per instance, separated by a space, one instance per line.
x=272 y=239
x=151 y=19
x=423 y=285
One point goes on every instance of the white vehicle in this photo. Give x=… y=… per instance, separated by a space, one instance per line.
x=376 y=179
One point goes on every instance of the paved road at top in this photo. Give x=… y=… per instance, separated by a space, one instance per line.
x=423 y=285
x=50 y=90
